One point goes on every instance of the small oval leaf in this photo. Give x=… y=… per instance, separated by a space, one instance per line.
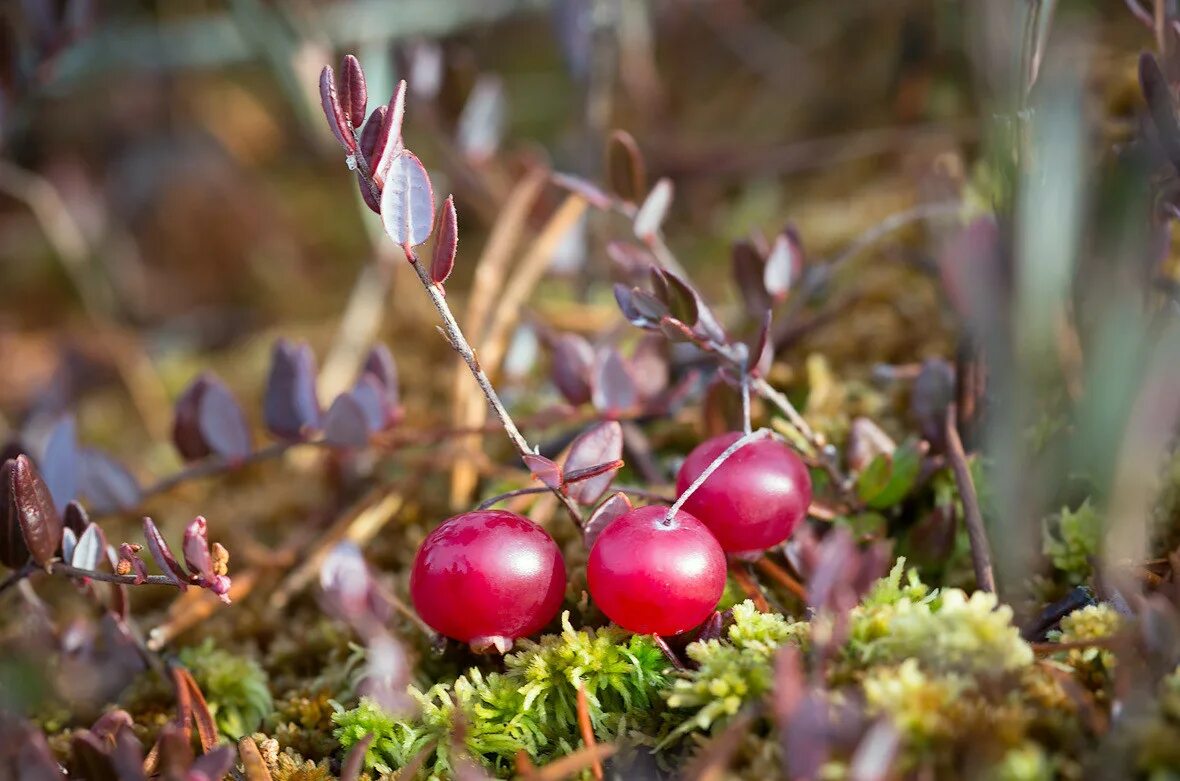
x=91 y=549
x=59 y=462
x=544 y=469
x=163 y=555
x=330 y=102
x=107 y=484
x=572 y=364
x=290 y=407
x=345 y=424
x=614 y=389
x=446 y=243
x=222 y=423
x=33 y=507
x=651 y=214
x=601 y=443
x=407 y=201
x=625 y=167
x=354 y=95
x=618 y=504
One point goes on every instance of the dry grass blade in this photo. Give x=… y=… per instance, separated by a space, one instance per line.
x=587 y=729
x=253 y=766
x=981 y=556
x=490 y=271
x=744 y=579
x=198 y=710
x=782 y=577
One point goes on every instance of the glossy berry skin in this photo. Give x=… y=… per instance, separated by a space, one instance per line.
x=755 y=499
x=488 y=577
x=650 y=578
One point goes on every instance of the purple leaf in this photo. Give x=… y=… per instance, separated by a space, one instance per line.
x=651 y=214
x=290 y=406
x=650 y=308
x=446 y=243
x=59 y=462
x=371 y=135
x=162 y=554
x=389 y=140
x=91 y=548
x=75 y=518
x=748 y=270
x=481 y=123
x=332 y=111
x=679 y=296
x=579 y=186
x=649 y=366
x=1158 y=94
x=379 y=364
x=346 y=424
x=614 y=390
x=625 y=168
x=618 y=504
x=386 y=674
x=371 y=199
x=33 y=508
x=783 y=265
x=932 y=392
x=196 y=549
x=632 y=260
x=573 y=361
x=625 y=300
x=369 y=394
x=130 y=554
x=222 y=423
x=13 y=551
x=186 y=430
x=598 y=444
x=354 y=760
x=407 y=202
x=212 y=766
x=760 y=357
x=354 y=96
x=347 y=585
x=545 y=470
x=107 y=483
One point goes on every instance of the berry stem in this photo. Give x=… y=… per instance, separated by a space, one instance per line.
x=746 y=439
x=745 y=384
x=459 y=343
x=981 y=559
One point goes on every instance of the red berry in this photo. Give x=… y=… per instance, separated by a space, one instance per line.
x=652 y=578
x=488 y=577
x=755 y=499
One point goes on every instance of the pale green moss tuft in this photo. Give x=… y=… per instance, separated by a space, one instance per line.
x=236 y=687
x=1071 y=540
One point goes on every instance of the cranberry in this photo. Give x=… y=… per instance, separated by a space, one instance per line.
x=652 y=577
x=488 y=577
x=755 y=499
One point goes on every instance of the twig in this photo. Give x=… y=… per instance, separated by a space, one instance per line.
x=981 y=558
x=587 y=730
x=782 y=577
x=17 y=575
x=460 y=344
x=216 y=465
x=61 y=568
x=662 y=644
x=748 y=585
x=536 y=489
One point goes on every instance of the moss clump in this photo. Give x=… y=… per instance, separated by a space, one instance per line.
x=1071 y=541
x=531 y=706
x=1093 y=665
x=235 y=687
x=730 y=674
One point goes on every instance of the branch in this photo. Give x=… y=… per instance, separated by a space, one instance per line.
x=981 y=559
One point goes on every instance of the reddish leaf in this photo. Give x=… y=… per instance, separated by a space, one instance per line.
x=650 y=309
x=545 y=470
x=354 y=760
x=332 y=111
x=346 y=424
x=354 y=96
x=13 y=551
x=198 y=710
x=196 y=549
x=446 y=243
x=380 y=366
x=75 y=518
x=59 y=462
x=290 y=406
x=389 y=140
x=107 y=483
x=130 y=555
x=91 y=549
x=32 y=505
x=186 y=431
x=253 y=765
x=214 y=765
x=573 y=361
x=371 y=135
x=614 y=390
x=579 y=186
x=932 y=393
x=651 y=214
x=222 y=423
x=761 y=355
x=625 y=168
x=618 y=504
x=371 y=199
x=163 y=555
x=748 y=269
x=649 y=366
x=678 y=295
x=601 y=443
x=407 y=202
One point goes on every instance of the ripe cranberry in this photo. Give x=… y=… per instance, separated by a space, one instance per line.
x=755 y=499
x=655 y=578
x=488 y=577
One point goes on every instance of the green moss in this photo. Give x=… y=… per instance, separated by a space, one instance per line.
x=531 y=706
x=1071 y=540
x=235 y=687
